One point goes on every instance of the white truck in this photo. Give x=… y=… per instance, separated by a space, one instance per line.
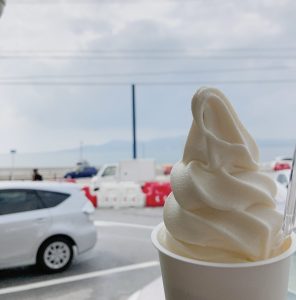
x=119 y=185
x=136 y=170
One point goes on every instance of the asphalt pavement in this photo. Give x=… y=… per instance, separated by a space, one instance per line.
x=122 y=262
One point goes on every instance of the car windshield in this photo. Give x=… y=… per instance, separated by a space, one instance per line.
x=109 y=171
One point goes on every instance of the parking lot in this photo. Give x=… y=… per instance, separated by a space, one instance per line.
x=122 y=262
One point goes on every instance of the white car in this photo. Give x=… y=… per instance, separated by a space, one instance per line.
x=282 y=176
x=44 y=223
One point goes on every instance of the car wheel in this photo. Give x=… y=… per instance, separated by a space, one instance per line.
x=55 y=255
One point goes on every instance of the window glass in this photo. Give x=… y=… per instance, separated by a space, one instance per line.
x=109 y=171
x=51 y=199
x=14 y=201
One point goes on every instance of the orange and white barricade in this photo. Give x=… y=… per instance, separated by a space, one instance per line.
x=109 y=195
x=132 y=195
x=122 y=194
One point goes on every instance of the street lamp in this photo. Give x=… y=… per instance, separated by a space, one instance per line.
x=81 y=152
x=12 y=152
x=134 y=121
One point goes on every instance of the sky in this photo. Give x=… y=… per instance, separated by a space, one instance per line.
x=66 y=68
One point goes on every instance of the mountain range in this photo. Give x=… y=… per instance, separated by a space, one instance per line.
x=163 y=150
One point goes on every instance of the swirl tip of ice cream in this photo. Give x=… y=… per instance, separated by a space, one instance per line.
x=221 y=206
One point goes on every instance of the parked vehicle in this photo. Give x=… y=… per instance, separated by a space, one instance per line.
x=281 y=197
x=83 y=170
x=280 y=163
x=44 y=223
x=137 y=170
x=282 y=176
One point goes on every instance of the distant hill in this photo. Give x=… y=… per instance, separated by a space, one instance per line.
x=163 y=150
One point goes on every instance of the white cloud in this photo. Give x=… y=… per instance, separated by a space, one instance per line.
x=51 y=117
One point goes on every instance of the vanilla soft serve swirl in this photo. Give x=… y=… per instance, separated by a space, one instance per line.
x=222 y=208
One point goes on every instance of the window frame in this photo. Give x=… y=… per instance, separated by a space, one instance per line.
x=109 y=167
x=53 y=192
x=42 y=204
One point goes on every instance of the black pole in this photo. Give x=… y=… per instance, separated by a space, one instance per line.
x=134 y=122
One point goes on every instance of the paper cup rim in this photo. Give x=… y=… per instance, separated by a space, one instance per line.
x=272 y=260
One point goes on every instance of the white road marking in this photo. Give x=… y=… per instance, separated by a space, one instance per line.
x=135 y=296
x=122 y=224
x=74 y=278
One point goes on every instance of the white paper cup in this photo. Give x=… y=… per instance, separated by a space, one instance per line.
x=189 y=279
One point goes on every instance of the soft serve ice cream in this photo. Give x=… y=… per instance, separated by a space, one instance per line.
x=222 y=208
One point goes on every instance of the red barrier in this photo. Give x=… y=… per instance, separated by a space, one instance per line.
x=156 y=193
x=92 y=198
x=70 y=180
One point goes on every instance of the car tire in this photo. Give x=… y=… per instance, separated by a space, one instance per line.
x=55 y=255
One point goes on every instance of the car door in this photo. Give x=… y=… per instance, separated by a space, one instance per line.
x=23 y=222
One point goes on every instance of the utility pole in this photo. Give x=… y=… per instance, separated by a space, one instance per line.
x=134 y=121
x=81 y=151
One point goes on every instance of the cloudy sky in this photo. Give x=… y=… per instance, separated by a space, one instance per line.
x=66 y=68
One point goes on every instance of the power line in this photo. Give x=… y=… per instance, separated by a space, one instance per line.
x=146 y=50
x=155 y=73
x=64 y=83
x=147 y=83
x=142 y=57
x=205 y=82
x=99 y=2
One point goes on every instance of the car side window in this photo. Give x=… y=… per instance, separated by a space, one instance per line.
x=109 y=171
x=52 y=199
x=15 y=201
